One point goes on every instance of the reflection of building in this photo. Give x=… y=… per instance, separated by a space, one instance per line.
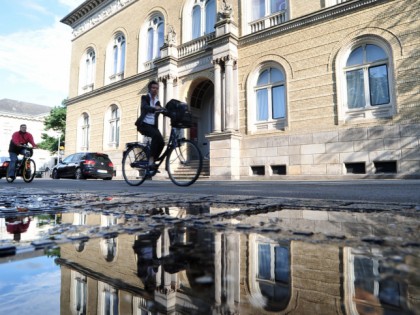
x=275 y=87
x=194 y=271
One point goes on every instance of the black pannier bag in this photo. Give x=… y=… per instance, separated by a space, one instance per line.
x=180 y=115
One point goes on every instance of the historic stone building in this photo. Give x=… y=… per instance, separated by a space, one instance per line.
x=278 y=88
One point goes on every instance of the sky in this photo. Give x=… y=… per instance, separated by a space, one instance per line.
x=35 y=50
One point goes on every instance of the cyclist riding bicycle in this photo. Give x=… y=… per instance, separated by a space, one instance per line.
x=19 y=139
x=147 y=123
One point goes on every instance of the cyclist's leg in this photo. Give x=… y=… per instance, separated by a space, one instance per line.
x=157 y=142
x=12 y=164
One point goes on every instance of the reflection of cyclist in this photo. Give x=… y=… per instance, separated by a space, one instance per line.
x=19 y=138
x=17 y=226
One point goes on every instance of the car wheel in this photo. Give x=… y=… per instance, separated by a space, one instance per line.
x=108 y=178
x=78 y=174
x=55 y=175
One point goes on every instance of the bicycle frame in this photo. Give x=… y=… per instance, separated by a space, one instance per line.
x=172 y=142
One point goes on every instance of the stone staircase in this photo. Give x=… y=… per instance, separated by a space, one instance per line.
x=205 y=171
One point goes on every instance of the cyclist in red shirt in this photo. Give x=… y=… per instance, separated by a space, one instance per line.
x=19 y=138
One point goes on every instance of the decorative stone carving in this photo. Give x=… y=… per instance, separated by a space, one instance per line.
x=227 y=11
x=171 y=36
x=100 y=16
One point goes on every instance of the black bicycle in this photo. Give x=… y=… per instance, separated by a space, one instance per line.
x=25 y=167
x=184 y=160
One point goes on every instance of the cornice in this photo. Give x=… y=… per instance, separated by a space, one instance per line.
x=110 y=87
x=316 y=17
x=93 y=12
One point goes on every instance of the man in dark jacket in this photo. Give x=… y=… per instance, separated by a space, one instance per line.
x=147 y=123
x=19 y=138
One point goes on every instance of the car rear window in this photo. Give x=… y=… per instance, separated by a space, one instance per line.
x=99 y=157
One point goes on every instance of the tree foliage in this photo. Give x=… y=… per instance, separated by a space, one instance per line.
x=56 y=121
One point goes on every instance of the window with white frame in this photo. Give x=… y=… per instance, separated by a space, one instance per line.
x=115 y=61
x=270 y=273
x=109 y=248
x=366 y=81
x=203 y=17
x=87 y=71
x=155 y=37
x=262 y=8
x=368 y=287
x=263 y=14
x=84 y=132
x=114 y=126
x=78 y=293
x=270 y=95
x=329 y=3
x=108 y=299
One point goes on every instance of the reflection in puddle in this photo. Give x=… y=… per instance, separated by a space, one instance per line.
x=220 y=261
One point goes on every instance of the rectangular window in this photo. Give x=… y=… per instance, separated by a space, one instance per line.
x=355 y=168
x=258 y=170
x=385 y=167
x=282 y=264
x=264 y=261
x=258 y=9
x=262 y=105
x=355 y=89
x=378 y=83
x=278 y=169
x=278 y=101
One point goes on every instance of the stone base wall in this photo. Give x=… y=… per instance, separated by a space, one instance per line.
x=329 y=153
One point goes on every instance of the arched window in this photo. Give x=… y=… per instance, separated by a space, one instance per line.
x=367 y=80
x=115 y=59
x=155 y=37
x=87 y=71
x=270 y=95
x=114 y=126
x=203 y=18
x=119 y=54
x=90 y=66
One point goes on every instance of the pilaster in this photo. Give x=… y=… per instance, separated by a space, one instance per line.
x=225 y=155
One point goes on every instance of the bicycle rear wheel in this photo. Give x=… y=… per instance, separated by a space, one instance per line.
x=133 y=165
x=184 y=163
x=28 y=171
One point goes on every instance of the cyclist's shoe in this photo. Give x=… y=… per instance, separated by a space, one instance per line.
x=11 y=179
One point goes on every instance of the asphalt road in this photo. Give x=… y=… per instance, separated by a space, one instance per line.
x=387 y=191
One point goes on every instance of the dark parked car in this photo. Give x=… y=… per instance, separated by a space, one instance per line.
x=4 y=163
x=84 y=165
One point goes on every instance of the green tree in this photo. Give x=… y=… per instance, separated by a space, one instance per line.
x=55 y=121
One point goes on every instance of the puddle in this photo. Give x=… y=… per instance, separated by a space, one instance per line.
x=119 y=256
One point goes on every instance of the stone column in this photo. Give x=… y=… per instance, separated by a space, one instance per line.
x=161 y=96
x=217 y=108
x=218 y=268
x=230 y=109
x=169 y=95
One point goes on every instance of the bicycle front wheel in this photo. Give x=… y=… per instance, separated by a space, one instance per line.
x=133 y=165
x=29 y=169
x=184 y=163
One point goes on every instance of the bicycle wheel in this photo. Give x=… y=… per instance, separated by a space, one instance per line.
x=28 y=171
x=9 y=179
x=133 y=165
x=184 y=163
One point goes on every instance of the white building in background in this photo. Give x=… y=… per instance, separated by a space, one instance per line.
x=12 y=115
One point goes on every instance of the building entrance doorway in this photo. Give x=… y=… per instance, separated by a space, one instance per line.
x=202 y=99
